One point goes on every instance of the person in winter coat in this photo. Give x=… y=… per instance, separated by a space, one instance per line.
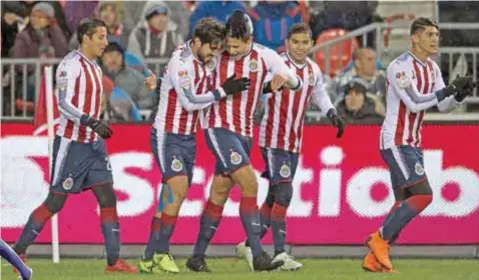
x=12 y=15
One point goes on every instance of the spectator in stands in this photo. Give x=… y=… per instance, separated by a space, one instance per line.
x=220 y=10
x=110 y=12
x=178 y=13
x=365 y=69
x=356 y=106
x=42 y=37
x=156 y=36
x=59 y=14
x=272 y=20
x=126 y=78
x=12 y=15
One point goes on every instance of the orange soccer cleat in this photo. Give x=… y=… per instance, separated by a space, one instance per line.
x=380 y=249
x=121 y=267
x=371 y=264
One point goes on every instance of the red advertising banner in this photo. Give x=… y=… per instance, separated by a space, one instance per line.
x=341 y=189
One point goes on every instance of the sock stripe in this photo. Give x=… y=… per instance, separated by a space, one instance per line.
x=167 y=219
x=248 y=204
x=41 y=214
x=213 y=210
x=155 y=224
x=108 y=215
x=265 y=210
x=419 y=202
x=278 y=213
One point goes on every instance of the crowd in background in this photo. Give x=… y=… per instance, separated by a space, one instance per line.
x=142 y=30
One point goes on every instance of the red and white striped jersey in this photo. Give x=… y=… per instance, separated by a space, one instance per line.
x=411 y=88
x=79 y=92
x=185 y=92
x=235 y=112
x=282 y=122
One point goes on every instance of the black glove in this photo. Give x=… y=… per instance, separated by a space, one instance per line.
x=459 y=84
x=100 y=127
x=337 y=122
x=468 y=89
x=267 y=88
x=232 y=85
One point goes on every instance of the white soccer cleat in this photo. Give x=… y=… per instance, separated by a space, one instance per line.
x=289 y=263
x=242 y=251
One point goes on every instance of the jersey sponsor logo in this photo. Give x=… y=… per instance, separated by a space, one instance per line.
x=235 y=158
x=419 y=169
x=403 y=80
x=176 y=165
x=63 y=74
x=68 y=183
x=253 y=65
x=285 y=171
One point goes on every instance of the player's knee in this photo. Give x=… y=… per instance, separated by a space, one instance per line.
x=246 y=178
x=55 y=202
x=283 y=192
x=420 y=188
x=420 y=195
x=219 y=194
x=105 y=195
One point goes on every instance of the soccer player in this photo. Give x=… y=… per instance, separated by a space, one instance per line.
x=414 y=84
x=229 y=131
x=80 y=159
x=281 y=137
x=185 y=90
x=12 y=257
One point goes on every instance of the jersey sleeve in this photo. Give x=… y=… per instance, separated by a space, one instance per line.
x=65 y=77
x=319 y=93
x=401 y=85
x=182 y=78
x=276 y=65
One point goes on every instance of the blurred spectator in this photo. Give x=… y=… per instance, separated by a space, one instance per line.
x=116 y=105
x=178 y=13
x=126 y=78
x=272 y=20
x=110 y=12
x=76 y=11
x=356 y=106
x=42 y=37
x=156 y=36
x=12 y=15
x=365 y=69
x=59 y=14
x=220 y=10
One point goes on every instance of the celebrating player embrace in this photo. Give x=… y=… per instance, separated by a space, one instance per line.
x=415 y=84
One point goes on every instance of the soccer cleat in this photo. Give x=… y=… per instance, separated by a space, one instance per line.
x=243 y=251
x=380 y=249
x=164 y=263
x=289 y=263
x=263 y=263
x=240 y=249
x=122 y=267
x=371 y=264
x=197 y=264
x=146 y=266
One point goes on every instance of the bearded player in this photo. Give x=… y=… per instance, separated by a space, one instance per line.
x=415 y=84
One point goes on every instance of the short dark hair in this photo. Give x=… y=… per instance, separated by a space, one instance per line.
x=300 y=28
x=239 y=26
x=209 y=31
x=421 y=23
x=359 y=51
x=88 y=27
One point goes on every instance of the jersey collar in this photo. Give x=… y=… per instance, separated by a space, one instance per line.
x=417 y=59
x=299 y=66
x=92 y=62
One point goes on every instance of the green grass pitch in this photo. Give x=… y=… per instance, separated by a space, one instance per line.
x=232 y=269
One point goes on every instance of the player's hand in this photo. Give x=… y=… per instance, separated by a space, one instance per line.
x=458 y=85
x=150 y=81
x=100 y=127
x=337 y=122
x=278 y=82
x=232 y=85
x=467 y=91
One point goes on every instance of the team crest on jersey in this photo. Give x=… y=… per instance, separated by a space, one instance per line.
x=311 y=80
x=185 y=82
x=419 y=169
x=68 y=183
x=176 y=165
x=210 y=65
x=285 y=171
x=253 y=65
x=235 y=158
x=182 y=73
